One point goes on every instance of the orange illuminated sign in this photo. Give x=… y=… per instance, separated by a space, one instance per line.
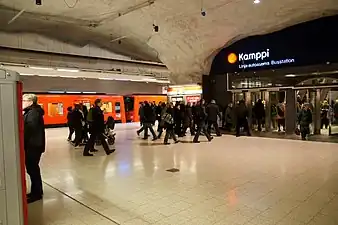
x=232 y=58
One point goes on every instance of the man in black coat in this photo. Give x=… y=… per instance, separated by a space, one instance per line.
x=149 y=120
x=213 y=113
x=34 y=144
x=200 y=117
x=97 y=130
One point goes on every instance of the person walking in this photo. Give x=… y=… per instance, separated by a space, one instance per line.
x=141 y=116
x=259 y=112
x=242 y=118
x=34 y=144
x=168 y=121
x=212 y=114
x=70 y=123
x=188 y=120
x=149 y=120
x=229 y=117
x=77 y=124
x=161 y=122
x=304 y=121
x=201 y=116
x=97 y=130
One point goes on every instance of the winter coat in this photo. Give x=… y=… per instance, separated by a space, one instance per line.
x=212 y=111
x=305 y=118
x=259 y=110
x=34 y=129
x=229 y=115
x=97 y=124
x=149 y=114
x=241 y=112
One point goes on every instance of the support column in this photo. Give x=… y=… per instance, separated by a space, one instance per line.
x=248 y=104
x=316 y=112
x=290 y=112
x=267 y=111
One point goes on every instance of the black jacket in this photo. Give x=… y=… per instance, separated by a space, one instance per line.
x=259 y=110
x=213 y=112
x=97 y=124
x=149 y=114
x=34 y=129
x=200 y=114
x=305 y=118
x=77 y=118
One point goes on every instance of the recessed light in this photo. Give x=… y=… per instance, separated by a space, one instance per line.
x=290 y=75
x=257 y=1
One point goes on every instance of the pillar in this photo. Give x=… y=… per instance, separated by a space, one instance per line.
x=290 y=112
x=316 y=112
x=248 y=103
x=267 y=100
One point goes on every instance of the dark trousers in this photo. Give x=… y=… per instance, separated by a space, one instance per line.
x=215 y=125
x=259 y=123
x=160 y=132
x=169 y=134
x=33 y=169
x=71 y=132
x=201 y=127
x=304 y=131
x=242 y=123
x=281 y=122
x=189 y=125
x=148 y=126
x=78 y=136
x=91 y=142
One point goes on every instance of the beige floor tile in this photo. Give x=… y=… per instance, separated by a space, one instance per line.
x=252 y=181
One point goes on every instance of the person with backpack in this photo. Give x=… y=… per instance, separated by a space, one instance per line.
x=201 y=116
x=168 y=124
x=96 y=116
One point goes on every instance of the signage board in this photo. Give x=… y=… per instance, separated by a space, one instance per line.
x=305 y=44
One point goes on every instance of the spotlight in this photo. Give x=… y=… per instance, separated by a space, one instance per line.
x=38 y=2
x=156 y=28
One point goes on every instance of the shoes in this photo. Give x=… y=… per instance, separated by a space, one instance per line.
x=33 y=198
x=167 y=143
x=110 y=151
x=154 y=139
x=196 y=142
x=94 y=150
x=138 y=133
x=145 y=138
x=77 y=146
x=211 y=139
x=87 y=154
x=219 y=135
x=177 y=141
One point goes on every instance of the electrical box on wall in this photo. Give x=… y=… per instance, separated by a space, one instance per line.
x=12 y=173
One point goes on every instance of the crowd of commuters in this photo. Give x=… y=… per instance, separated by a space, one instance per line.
x=82 y=122
x=175 y=120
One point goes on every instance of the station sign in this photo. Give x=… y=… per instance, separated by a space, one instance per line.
x=262 y=58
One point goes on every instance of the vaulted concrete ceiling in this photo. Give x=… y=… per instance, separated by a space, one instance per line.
x=186 y=41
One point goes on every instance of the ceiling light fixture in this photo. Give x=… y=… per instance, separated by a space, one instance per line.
x=290 y=75
x=257 y=1
x=40 y=68
x=68 y=70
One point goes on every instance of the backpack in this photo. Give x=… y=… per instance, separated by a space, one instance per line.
x=90 y=115
x=166 y=119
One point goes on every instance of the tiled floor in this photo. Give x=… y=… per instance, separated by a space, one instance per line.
x=230 y=181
